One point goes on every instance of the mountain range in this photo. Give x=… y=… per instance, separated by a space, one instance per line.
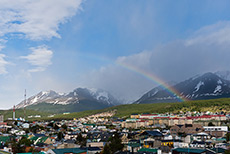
x=206 y=86
x=200 y=87
x=79 y=99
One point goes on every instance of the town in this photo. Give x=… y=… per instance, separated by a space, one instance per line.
x=149 y=133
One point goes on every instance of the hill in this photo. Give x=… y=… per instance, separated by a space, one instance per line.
x=214 y=105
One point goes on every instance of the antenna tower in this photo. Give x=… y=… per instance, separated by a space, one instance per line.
x=25 y=106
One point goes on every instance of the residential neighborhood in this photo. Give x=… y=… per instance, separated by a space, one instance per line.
x=150 y=133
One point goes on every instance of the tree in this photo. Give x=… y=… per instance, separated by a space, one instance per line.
x=227 y=151
x=81 y=140
x=55 y=127
x=114 y=145
x=228 y=137
x=210 y=124
x=19 y=147
x=60 y=136
x=33 y=150
x=25 y=141
x=106 y=149
x=64 y=126
x=34 y=129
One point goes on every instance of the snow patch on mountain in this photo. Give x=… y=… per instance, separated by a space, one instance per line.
x=218 y=89
x=198 y=86
x=219 y=82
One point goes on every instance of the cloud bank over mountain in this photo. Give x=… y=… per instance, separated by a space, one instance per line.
x=206 y=50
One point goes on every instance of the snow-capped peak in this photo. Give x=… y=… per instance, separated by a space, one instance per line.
x=75 y=96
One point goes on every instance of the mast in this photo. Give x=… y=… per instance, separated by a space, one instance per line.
x=25 y=106
x=14 y=112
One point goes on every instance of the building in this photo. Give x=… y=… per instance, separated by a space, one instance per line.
x=216 y=131
x=185 y=129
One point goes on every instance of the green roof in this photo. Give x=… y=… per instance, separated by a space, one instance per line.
x=32 y=153
x=189 y=150
x=4 y=138
x=89 y=124
x=42 y=140
x=134 y=144
x=34 y=138
x=68 y=150
x=147 y=150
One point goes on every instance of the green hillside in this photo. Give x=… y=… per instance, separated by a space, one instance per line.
x=214 y=105
x=20 y=113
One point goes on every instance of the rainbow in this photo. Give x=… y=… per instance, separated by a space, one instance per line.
x=155 y=79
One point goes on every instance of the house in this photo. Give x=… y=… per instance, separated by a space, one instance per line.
x=68 y=144
x=154 y=134
x=185 y=129
x=200 y=144
x=124 y=139
x=93 y=150
x=134 y=116
x=149 y=143
x=98 y=136
x=201 y=136
x=134 y=145
x=171 y=143
x=151 y=138
x=67 y=151
x=216 y=131
x=26 y=125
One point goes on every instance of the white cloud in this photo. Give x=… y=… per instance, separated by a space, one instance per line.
x=206 y=51
x=213 y=34
x=3 y=64
x=40 y=58
x=34 y=20
x=38 y=19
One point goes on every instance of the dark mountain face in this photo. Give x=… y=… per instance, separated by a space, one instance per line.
x=207 y=86
x=79 y=99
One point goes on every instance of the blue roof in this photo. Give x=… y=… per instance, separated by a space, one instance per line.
x=189 y=150
x=221 y=150
x=152 y=133
x=32 y=153
x=69 y=150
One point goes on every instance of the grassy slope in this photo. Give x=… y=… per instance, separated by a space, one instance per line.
x=201 y=105
x=20 y=113
x=128 y=109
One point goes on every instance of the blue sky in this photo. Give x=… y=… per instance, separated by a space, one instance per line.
x=62 y=45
